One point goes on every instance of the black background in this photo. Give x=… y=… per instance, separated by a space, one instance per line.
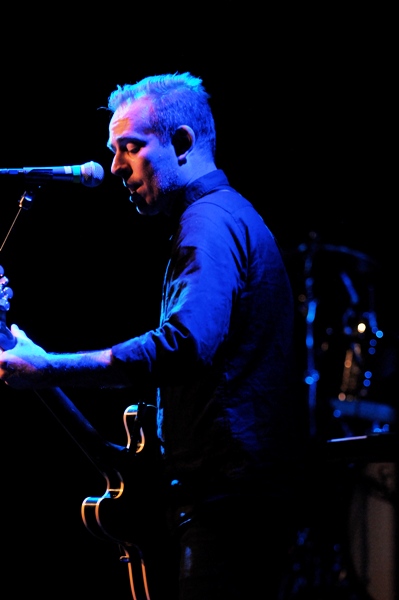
x=304 y=103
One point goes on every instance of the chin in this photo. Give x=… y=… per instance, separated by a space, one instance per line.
x=141 y=206
x=146 y=210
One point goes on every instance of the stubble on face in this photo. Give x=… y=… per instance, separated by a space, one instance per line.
x=155 y=177
x=162 y=183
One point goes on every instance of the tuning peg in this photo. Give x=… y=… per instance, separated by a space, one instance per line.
x=7 y=292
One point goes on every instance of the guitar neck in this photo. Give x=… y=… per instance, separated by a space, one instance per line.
x=96 y=448
x=7 y=340
x=100 y=451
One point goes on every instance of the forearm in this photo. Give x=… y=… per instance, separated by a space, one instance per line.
x=81 y=369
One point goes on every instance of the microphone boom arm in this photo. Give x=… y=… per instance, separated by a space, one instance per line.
x=90 y=174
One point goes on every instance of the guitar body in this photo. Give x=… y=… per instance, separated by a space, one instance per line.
x=128 y=513
x=132 y=494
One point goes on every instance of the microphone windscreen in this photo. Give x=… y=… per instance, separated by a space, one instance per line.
x=92 y=174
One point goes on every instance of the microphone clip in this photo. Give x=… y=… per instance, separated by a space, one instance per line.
x=27 y=198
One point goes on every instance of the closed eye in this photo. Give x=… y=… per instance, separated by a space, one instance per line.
x=133 y=148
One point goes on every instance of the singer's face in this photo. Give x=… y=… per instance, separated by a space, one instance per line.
x=149 y=170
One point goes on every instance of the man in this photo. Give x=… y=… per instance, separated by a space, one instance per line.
x=221 y=358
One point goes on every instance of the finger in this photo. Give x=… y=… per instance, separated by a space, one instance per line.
x=15 y=330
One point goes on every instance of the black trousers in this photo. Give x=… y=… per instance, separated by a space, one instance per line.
x=226 y=549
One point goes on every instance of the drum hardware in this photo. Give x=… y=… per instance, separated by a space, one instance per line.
x=380 y=415
x=372 y=447
x=341 y=329
x=350 y=550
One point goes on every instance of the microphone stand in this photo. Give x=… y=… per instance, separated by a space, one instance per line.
x=6 y=293
x=312 y=375
x=25 y=203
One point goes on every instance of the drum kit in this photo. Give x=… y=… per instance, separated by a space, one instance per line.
x=350 y=360
x=349 y=375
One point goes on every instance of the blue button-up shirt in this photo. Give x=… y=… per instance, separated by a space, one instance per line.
x=222 y=354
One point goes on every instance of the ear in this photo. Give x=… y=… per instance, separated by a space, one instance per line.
x=183 y=141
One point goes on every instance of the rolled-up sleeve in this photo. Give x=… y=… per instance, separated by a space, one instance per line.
x=206 y=271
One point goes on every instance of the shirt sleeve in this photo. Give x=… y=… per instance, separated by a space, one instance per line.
x=206 y=272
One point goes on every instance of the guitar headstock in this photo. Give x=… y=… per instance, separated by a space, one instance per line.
x=7 y=340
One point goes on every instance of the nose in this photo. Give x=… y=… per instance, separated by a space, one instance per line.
x=119 y=167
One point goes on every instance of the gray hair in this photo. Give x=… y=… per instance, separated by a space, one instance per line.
x=174 y=100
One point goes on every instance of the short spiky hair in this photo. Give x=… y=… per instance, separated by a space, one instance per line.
x=175 y=99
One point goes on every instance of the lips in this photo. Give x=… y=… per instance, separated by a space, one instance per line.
x=136 y=198
x=132 y=188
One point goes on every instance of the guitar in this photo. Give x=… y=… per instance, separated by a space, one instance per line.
x=120 y=515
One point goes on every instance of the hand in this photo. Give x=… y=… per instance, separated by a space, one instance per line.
x=23 y=366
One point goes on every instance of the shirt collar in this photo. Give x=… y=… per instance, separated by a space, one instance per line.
x=197 y=189
x=204 y=185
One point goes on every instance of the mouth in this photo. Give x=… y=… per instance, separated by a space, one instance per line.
x=132 y=188
x=138 y=200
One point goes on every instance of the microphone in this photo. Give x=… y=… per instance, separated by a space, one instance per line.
x=90 y=174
